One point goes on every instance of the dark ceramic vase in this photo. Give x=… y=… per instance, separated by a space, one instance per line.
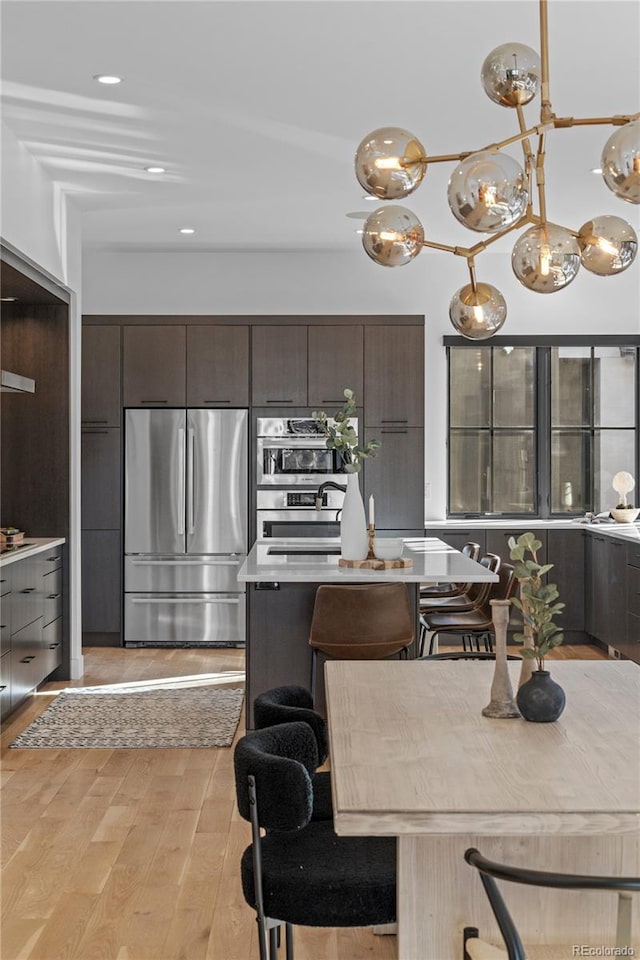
x=541 y=699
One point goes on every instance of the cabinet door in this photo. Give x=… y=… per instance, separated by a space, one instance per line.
x=5 y=684
x=279 y=365
x=497 y=541
x=597 y=579
x=155 y=366
x=218 y=366
x=615 y=610
x=101 y=581
x=567 y=554
x=335 y=362
x=458 y=538
x=395 y=478
x=27 y=661
x=100 y=478
x=101 y=375
x=394 y=375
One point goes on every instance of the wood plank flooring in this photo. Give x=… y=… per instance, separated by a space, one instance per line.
x=134 y=854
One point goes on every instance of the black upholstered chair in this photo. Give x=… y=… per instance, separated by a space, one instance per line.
x=288 y=704
x=299 y=872
x=475 y=949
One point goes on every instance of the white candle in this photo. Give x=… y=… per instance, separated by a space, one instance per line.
x=371 y=512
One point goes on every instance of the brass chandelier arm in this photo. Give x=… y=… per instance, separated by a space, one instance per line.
x=617 y=121
x=470 y=252
x=540 y=179
x=546 y=112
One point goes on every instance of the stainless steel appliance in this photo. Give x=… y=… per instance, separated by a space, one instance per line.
x=287 y=513
x=292 y=451
x=185 y=529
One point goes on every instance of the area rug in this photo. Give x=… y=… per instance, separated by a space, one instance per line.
x=136 y=719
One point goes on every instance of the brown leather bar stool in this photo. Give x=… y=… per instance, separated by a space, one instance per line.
x=360 y=622
x=471 y=550
x=472 y=597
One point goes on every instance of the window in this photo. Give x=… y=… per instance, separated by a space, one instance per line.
x=540 y=430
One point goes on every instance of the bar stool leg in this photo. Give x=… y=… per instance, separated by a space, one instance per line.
x=314 y=672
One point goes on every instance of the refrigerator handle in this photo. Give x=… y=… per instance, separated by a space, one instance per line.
x=181 y=482
x=192 y=482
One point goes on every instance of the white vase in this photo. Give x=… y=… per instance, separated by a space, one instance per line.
x=354 y=540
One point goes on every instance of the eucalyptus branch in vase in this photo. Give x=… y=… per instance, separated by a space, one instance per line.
x=343 y=438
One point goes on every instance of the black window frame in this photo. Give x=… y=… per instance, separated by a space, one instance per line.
x=542 y=414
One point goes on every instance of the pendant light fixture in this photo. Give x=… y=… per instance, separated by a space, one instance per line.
x=490 y=192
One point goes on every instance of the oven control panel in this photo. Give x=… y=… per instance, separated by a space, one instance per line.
x=306 y=498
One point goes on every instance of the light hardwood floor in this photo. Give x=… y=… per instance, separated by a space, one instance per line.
x=134 y=854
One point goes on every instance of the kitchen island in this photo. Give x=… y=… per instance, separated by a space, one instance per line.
x=282 y=577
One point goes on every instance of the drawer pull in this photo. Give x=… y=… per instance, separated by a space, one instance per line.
x=52 y=559
x=3 y=686
x=395 y=421
x=153 y=401
x=92 y=420
x=94 y=432
x=54 y=596
x=28 y=659
x=279 y=401
x=52 y=646
x=217 y=401
x=3 y=626
x=28 y=590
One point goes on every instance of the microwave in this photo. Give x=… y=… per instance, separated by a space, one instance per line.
x=292 y=451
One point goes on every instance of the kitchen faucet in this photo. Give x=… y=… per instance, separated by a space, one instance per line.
x=323 y=487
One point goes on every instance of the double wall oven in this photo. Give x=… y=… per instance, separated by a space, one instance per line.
x=292 y=462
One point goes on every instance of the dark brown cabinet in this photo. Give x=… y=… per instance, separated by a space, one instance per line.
x=632 y=648
x=394 y=375
x=566 y=551
x=605 y=578
x=100 y=478
x=101 y=375
x=458 y=538
x=154 y=366
x=217 y=366
x=279 y=365
x=335 y=362
x=395 y=478
x=101 y=581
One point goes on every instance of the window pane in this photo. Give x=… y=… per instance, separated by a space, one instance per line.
x=614 y=385
x=613 y=451
x=470 y=387
x=514 y=377
x=514 y=472
x=468 y=472
x=570 y=472
x=570 y=386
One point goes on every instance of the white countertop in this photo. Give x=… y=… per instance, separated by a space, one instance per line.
x=433 y=560
x=624 y=531
x=32 y=546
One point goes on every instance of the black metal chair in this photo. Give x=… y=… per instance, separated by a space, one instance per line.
x=301 y=872
x=288 y=704
x=474 y=948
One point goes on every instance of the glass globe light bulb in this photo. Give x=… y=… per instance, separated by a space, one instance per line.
x=392 y=236
x=387 y=163
x=511 y=74
x=477 y=314
x=545 y=258
x=608 y=245
x=621 y=162
x=488 y=191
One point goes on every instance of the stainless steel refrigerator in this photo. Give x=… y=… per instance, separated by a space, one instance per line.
x=185 y=534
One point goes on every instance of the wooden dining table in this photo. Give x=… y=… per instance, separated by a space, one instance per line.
x=413 y=757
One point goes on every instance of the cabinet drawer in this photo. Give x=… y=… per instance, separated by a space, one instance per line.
x=26 y=595
x=633 y=590
x=51 y=559
x=52 y=596
x=5 y=580
x=51 y=647
x=27 y=661
x=5 y=625
x=633 y=554
x=5 y=684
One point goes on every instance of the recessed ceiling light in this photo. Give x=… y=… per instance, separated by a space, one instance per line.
x=187 y=230
x=596 y=170
x=155 y=169
x=358 y=214
x=107 y=78
x=8 y=299
x=358 y=231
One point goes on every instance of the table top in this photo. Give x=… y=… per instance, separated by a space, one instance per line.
x=411 y=752
x=433 y=561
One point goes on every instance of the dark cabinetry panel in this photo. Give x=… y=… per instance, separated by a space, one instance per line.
x=154 y=366
x=101 y=478
x=101 y=375
x=218 y=366
x=458 y=538
x=606 y=579
x=101 y=581
x=27 y=661
x=394 y=375
x=335 y=362
x=566 y=551
x=279 y=365
x=5 y=684
x=395 y=478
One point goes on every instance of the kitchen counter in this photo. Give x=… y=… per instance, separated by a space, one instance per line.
x=623 y=531
x=31 y=547
x=299 y=562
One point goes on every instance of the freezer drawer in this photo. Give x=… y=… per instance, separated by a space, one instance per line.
x=189 y=619
x=182 y=574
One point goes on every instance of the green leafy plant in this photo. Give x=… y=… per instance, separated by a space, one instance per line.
x=343 y=438
x=537 y=600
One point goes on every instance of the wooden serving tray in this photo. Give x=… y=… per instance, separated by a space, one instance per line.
x=375 y=564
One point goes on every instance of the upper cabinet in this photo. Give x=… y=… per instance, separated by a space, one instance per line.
x=394 y=375
x=101 y=375
x=279 y=365
x=335 y=362
x=217 y=366
x=154 y=366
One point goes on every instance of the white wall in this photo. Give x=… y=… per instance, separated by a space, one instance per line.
x=348 y=282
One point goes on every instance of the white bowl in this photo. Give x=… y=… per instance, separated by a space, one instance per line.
x=625 y=514
x=388 y=548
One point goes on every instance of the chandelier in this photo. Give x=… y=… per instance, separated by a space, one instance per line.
x=490 y=192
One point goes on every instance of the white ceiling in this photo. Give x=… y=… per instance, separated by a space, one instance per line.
x=256 y=108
